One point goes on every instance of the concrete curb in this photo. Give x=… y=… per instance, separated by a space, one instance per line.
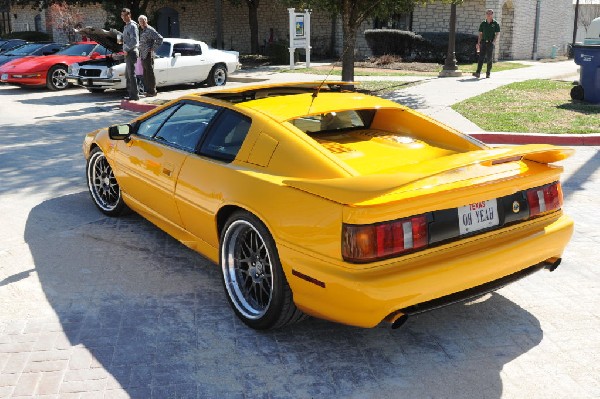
x=536 y=138
x=135 y=106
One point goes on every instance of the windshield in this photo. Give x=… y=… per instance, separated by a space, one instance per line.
x=78 y=49
x=25 y=49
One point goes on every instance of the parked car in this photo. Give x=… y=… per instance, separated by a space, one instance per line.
x=30 y=50
x=51 y=70
x=9 y=44
x=339 y=205
x=177 y=61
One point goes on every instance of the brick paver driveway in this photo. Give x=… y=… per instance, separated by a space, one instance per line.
x=97 y=307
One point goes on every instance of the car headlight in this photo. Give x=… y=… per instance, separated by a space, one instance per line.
x=109 y=73
x=73 y=69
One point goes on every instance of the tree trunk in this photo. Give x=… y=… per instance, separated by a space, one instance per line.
x=450 y=63
x=253 y=20
x=349 y=41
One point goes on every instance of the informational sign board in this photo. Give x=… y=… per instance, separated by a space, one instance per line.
x=299 y=34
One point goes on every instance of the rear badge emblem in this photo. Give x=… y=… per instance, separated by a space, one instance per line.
x=516 y=207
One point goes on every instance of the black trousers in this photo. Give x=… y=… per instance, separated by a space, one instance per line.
x=130 y=60
x=486 y=53
x=149 y=78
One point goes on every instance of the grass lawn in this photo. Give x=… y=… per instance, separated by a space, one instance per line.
x=533 y=106
x=380 y=87
x=337 y=71
x=400 y=71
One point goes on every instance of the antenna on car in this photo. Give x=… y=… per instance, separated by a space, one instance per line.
x=318 y=90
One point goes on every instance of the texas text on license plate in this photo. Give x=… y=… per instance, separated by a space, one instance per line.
x=478 y=216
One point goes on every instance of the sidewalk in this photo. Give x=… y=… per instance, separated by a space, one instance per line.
x=433 y=97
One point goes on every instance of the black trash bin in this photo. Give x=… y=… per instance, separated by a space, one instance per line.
x=587 y=56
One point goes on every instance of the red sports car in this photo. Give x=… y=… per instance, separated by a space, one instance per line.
x=51 y=70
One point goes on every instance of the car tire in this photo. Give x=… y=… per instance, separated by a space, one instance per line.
x=577 y=93
x=57 y=78
x=253 y=278
x=217 y=76
x=103 y=185
x=96 y=90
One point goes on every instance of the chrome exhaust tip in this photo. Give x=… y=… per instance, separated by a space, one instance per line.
x=399 y=322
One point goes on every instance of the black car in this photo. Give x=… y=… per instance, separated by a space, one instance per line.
x=30 y=49
x=9 y=44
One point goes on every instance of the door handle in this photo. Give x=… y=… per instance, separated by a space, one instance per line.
x=167 y=169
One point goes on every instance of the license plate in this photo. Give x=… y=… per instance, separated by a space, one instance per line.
x=4 y=76
x=478 y=216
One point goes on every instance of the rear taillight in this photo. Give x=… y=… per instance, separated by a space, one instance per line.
x=366 y=243
x=544 y=199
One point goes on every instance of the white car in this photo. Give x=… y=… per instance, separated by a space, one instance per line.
x=177 y=61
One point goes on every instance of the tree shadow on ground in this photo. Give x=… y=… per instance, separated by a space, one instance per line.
x=33 y=155
x=154 y=316
x=409 y=100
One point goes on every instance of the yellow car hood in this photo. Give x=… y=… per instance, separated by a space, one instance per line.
x=468 y=165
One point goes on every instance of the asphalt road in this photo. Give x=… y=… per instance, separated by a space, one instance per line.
x=92 y=306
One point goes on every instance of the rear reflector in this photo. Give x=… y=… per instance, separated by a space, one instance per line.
x=544 y=199
x=366 y=243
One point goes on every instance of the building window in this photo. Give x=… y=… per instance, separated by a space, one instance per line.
x=38 y=23
x=395 y=21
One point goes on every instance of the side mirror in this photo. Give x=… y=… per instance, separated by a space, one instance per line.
x=95 y=55
x=119 y=132
x=175 y=55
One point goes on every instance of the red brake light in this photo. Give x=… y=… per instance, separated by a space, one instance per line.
x=544 y=199
x=365 y=243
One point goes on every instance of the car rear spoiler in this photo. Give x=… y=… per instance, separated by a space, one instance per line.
x=357 y=189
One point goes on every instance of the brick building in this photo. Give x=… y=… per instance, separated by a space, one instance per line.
x=197 y=19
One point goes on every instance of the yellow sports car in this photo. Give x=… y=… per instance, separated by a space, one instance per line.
x=318 y=201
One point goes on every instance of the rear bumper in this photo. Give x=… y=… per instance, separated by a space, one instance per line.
x=424 y=280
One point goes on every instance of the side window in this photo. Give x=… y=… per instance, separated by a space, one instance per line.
x=164 y=50
x=226 y=136
x=187 y=49
x=186 y=126
x=150 y=126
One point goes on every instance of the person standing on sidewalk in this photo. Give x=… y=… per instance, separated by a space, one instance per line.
x=150 y=40
x=489 y=30
x=131 y=42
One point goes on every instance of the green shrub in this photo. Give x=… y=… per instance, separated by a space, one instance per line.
x=424 y=47
x=464 y=47
x=30 y=36
x=393 y=41
x=279 y=53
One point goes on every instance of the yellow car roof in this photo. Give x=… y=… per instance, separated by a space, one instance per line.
x=294 y=106
x=285 y=101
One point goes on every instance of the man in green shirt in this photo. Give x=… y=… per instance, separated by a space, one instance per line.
x=489 y=30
